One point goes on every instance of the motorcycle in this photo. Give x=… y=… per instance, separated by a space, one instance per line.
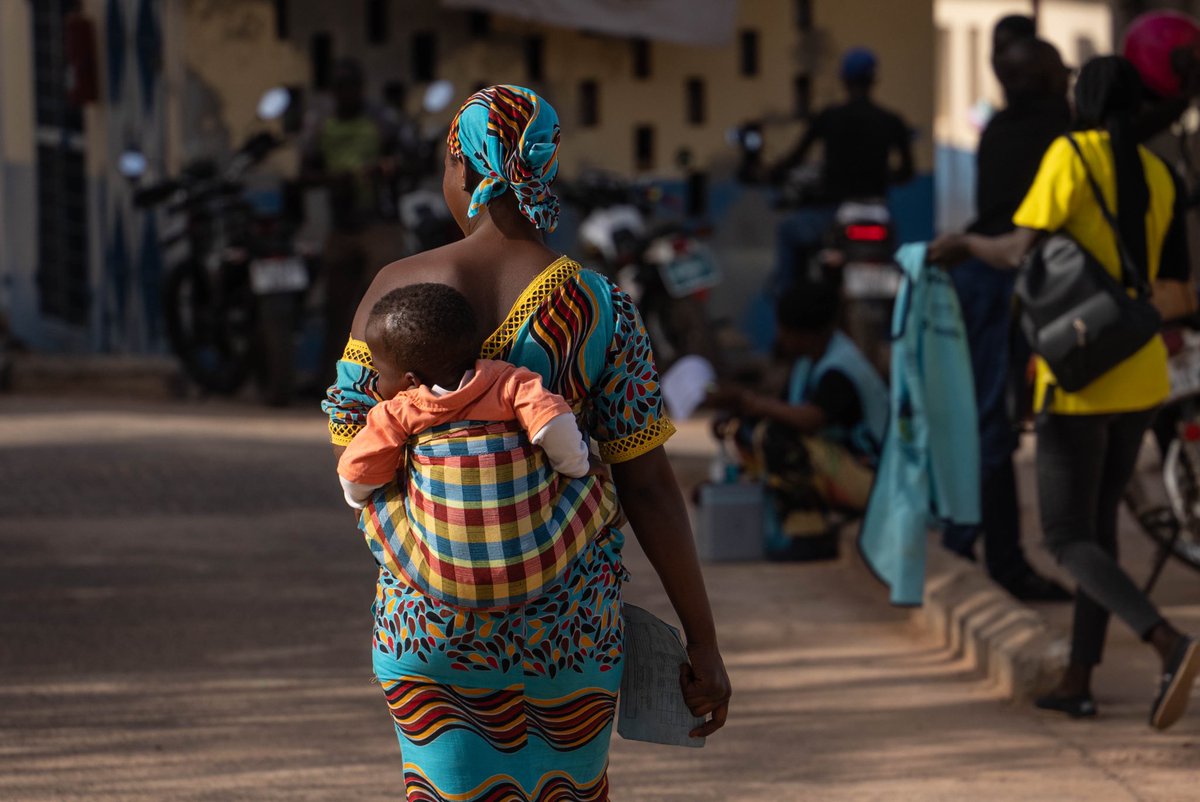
x=413 y=198
x=855 y=252
x=665 y=268
x=234 y=296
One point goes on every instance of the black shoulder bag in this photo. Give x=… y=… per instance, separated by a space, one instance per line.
x=1074 y=314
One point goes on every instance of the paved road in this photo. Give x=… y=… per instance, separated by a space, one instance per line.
x=184 y=615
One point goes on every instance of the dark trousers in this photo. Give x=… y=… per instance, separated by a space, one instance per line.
x=985 y=295
x=1001 y=525
x=1083 y=465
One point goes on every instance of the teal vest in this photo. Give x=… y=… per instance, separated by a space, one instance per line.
x=843 y=356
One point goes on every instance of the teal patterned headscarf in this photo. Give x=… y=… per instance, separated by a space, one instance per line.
x=509 y=135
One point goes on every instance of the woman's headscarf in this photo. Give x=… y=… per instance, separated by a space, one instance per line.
x=509 y=135
x=1108 y=95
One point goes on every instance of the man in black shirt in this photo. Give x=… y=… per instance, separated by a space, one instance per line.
x=860 y=140
x=1010 y=151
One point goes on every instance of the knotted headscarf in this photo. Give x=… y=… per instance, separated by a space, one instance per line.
x=509 y=135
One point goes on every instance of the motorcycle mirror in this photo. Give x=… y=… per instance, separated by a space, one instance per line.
x=748 y=137
x=132 y=164
x=274 y=103
x=438 y=96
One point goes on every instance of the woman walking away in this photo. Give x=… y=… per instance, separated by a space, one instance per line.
x=516 y=701
x=1088 y=440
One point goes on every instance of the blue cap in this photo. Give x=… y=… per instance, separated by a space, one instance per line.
x=858 y=64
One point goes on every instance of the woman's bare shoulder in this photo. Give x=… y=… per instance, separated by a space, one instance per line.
x=434 y=265
x=440 y=265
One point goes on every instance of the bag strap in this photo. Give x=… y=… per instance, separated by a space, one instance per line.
x=1130 y=275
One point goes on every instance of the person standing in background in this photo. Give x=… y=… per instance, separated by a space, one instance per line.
x=866 y=149
x=1034 y=80
x=351 y=147
x=1088 y=440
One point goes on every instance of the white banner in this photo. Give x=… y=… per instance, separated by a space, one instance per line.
x=692 y=22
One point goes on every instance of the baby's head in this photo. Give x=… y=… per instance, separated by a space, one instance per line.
x=422 y=334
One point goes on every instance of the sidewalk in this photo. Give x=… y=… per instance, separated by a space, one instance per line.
x=184 y=615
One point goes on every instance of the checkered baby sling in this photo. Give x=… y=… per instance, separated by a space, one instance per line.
x=484 y=521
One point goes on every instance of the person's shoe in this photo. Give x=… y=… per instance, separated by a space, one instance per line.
x=1179 y=674
x=1033 y=587
x=1074 y=706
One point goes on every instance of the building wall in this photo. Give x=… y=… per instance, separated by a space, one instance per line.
x=216 y=57
x=17 y=167
x=233 y=74
x=966 y=90
x=234 y=51
x=124 y=268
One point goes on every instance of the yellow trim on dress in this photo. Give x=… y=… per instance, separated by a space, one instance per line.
x=529 y=300
x=640 y=442
x=356 y=352
x=359 y=353
x=342 y=434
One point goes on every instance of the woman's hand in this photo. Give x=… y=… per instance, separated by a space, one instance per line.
x=1173 y=299
x=706 y=688
x=947 y=250
x=651 y=498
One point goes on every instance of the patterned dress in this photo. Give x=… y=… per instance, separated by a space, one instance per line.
x=518 y=704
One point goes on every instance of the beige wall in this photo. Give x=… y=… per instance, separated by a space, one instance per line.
x=903 y=38
x=1079 y=28
x=230 y=54
x=16 y=84
x=232 y=48
x=901 y=33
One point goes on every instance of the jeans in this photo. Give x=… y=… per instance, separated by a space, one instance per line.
x=1001 y=525
x=985 y=295
x=798 y=237
x=1083 y=465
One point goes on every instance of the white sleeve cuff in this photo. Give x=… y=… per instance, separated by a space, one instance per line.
x=564 y=445
x=357 y=494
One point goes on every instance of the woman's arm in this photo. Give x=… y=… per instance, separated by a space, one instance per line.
x=805 y=418
x=652 y=502
x=1003 y=252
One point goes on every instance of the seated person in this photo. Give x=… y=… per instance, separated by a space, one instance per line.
x=424 y=341
x=818 y=444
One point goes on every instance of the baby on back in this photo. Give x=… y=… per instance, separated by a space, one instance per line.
x=424 y=343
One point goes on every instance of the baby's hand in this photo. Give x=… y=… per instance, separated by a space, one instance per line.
x=596 y=467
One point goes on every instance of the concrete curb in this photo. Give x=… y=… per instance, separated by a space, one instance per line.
x=1004 y=640
x=95 y=374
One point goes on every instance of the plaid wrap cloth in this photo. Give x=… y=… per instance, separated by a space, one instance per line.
x=487 y=523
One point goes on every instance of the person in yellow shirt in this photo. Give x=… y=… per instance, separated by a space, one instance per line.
x=1088 y=440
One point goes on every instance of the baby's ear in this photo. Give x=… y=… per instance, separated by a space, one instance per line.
x=410 y=381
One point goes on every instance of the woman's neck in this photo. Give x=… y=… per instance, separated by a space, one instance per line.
x=502 y=220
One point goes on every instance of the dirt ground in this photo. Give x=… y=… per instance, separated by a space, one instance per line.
x=184 y=616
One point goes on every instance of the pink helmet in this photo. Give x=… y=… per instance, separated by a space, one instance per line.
x=1149 y=43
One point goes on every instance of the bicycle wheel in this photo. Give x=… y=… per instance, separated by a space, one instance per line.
x=1182 y=483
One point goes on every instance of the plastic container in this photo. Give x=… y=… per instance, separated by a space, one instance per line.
x=729 y=522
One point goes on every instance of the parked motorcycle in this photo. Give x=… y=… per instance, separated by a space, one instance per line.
x=417 y=197
x=665 y=268
x=234 y=296
x=855 y=252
